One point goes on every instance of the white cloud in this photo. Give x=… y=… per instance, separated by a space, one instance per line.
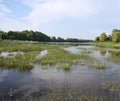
x=50 y=10
x=7 y=24
x=4 y=9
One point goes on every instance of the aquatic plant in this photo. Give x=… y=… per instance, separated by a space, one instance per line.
x=113 y=86
x=97 y=64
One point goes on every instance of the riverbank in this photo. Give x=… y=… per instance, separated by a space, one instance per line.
x=106 y=44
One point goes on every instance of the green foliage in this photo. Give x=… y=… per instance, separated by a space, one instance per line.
x=97 y=39
x=116 y=35
x=103 y=37
x=1 y=33
x=26 y=35
x=35 y=36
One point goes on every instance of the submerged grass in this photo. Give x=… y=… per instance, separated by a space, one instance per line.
x=113 y=86
x=97 y=64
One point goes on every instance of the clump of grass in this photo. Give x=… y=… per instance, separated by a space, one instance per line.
x=97 y=64
x=67 y=67
x=114 y=59
x=15 y=63
x=113 y=86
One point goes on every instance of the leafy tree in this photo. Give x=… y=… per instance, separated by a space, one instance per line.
x=103 y=37
x=116 y=35
x=1 y=33
x=97 y=39
x=59 y=39
x=53 y=39
x=109 y=38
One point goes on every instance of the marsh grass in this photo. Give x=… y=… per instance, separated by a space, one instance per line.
x=20 y=61
x=107 y=44
x=97 y=64
x=113 y=86
x=61 y=58
x=114 y=59
x=56 y=55
x=15 y=63
x=24 y=46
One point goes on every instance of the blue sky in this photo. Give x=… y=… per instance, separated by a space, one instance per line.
x=83 y=19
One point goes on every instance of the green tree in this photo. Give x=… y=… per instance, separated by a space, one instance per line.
x=103 y=37
x=97 y=39
x=1 y=33
x=109 y=38
x=116 y=35
x=53 y=39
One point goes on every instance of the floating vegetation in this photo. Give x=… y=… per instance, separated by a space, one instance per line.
x=97 y=64
x=113 y=86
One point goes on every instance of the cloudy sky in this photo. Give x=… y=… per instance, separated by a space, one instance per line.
x=83 y=19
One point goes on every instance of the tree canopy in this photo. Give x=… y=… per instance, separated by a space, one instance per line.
x=103 y=37
x=114 y=37
x=35 y=36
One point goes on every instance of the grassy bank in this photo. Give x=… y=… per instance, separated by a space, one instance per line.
x=107 y=44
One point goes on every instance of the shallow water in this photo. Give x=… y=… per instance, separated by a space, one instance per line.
x=10 y=54
x=41 y=54
x=38 y=82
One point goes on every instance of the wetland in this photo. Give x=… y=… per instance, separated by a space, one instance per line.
x=33 y=71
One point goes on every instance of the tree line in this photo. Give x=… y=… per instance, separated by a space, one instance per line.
x=35 y=36
x=114 y=37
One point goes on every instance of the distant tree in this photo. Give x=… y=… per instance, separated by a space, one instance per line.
x=53 y=39
x=59 y=39
x=103 y=37
x=1 y=33
x=109 y=38
x=116 y=35
x=97 y=39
